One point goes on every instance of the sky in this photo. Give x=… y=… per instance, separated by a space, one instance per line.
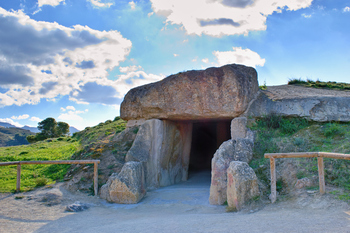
x=74 y=60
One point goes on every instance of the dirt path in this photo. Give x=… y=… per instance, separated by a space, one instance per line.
x=178 y=208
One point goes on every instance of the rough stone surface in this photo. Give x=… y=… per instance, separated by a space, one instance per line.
x=240 y=149
x=311 y=103
x=242 y=184
x=127 y=187
x=163 y=147
x=244 y=150
x=239 y=127
x=213 y=93
x=77 y=207
x=220 y=162
x=303 y=182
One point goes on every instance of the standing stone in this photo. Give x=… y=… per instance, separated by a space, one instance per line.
x=163 y=147
x=240 y=149
x=214 y=93
x=220 y=162
x=239 y=127
x=244 y=150
x=242 y=184
x=127 y=187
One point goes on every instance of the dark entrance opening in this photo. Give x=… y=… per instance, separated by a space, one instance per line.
x=207 y=136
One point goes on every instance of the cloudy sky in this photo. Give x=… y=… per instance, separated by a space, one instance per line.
x=74 y=60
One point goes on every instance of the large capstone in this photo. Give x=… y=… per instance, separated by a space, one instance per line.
x=214 y=93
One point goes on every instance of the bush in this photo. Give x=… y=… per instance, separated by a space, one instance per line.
x=41 y=181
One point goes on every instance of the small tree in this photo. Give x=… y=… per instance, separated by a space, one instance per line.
x=48 y=127
x=62 y=129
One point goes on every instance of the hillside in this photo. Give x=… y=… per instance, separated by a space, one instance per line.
x=97 y=142
x=34 y=129
x=8 y=136
x=276 y=134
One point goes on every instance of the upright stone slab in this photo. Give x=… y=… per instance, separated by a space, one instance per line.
x=163 y=147
x=239 y=127
x=242 y=184
x=220 y=162
x=240 y=149
x=214 y=93
x=127 y=187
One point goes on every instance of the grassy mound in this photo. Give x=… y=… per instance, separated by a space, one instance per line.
x=276 y=134
x=63 y=148
x=319 y=84
x=36 y=174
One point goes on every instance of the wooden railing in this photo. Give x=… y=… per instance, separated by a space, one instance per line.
x=318 y=155
x=19 y=163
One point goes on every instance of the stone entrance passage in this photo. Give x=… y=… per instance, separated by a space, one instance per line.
x=207 y=136
x=185 y=125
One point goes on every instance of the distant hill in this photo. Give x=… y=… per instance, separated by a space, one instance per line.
x=34 y=129
x=13 y=136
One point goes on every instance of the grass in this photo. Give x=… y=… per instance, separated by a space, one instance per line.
x=35 y=175
x=96 y=133
x=319 y=84
x=276 y=134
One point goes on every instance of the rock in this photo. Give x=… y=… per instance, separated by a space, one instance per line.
x=242 y=184
x=127 y=187
x=239 y=127
x=163 y=147
x=240 y=149
x=77 y=207
x=220 y=162
x=213 y=93
x=295 y=101
x=243 y=150
x=303 y=182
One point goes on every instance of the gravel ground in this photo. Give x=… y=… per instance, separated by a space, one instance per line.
x=178 y=208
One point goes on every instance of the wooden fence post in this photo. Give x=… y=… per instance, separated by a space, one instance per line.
x=321 y=175
x=18 y=184
x=96 y=178
x=273 y=194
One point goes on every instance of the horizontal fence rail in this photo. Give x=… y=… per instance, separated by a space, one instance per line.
x=19 y=163
x=318 y=155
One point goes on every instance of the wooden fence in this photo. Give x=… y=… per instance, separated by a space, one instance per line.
x=318 y=155
x=19 y=163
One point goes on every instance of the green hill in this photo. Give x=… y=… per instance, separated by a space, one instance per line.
x=83 y=145
x=13 y=136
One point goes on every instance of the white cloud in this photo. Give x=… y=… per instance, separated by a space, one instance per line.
x=46 y=60
x=133 y=79
x=239 y=56
x=70 y=108
x=346 y=9
x=306 y=16
x=132 y=5
x=49 y=2
x=222 y=17
x=98 y=3
x=72 y=115
x=205 y=60
x=35 y=119
x=176 y=55
x=10 y=121
x=127 y=69
x=21 y=117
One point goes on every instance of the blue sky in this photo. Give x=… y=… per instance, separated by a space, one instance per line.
x=74 y=60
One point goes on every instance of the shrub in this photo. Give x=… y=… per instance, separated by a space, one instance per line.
x=41 y=181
